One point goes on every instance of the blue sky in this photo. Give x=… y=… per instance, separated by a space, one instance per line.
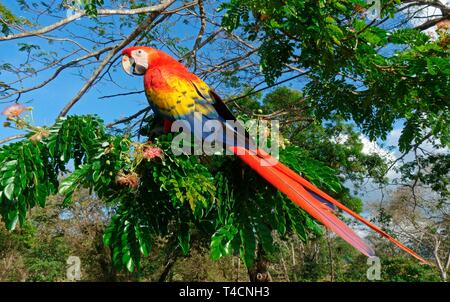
x=48 y=101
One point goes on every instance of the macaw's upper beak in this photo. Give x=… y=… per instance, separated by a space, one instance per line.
x=128 y=64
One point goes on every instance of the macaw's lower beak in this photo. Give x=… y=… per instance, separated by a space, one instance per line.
x=128 y=64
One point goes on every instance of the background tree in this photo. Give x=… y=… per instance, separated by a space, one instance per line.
x=420 y=218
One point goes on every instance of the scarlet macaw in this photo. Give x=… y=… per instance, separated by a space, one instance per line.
x=176 y=94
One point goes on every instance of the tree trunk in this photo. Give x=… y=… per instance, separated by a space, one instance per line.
x=167 y=268
x=109 y=273
x=175 y=252
x=258 y=272
x=442 y=267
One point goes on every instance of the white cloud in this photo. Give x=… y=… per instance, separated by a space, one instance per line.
x=428 y=146
x=370 y=147
x=393 y=136
x=371 y=191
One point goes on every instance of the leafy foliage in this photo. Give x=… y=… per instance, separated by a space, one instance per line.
x=434 y=171
x=27 y=178
x=187 y=198
x=357 y=69
x=165 y=195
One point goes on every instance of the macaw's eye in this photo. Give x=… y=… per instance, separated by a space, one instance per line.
x=139 y=51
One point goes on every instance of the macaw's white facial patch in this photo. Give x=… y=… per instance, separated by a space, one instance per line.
x=140 y=61
x=137 y=64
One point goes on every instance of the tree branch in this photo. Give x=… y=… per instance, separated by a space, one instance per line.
x=131 y=117
x=138 y=30
x=430 y=23
x=267 y=87
x=58 y=71
x=121 y=94
x=12 y=137
x=200 y=33
x=100 y=12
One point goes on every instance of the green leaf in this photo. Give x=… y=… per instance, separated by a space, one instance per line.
x=127 y=260
x=265 y=237
x=9 y=191
x=144 y=240
x=184 y=238
x=248 y=248
x=12 y=218
x=216 y=246
x=107 y=237
x=431 y=68
x=9 y=165
x=130 y=265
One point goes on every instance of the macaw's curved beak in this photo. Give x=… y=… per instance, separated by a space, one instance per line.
x=128 y=64
x=132 y=67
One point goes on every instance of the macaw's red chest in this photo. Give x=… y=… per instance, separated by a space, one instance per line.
x=154 y=79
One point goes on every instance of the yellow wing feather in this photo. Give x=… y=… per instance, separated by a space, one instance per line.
x=182 y=98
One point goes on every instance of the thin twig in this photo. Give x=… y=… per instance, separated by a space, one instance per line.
x=129 y=118
x=267 y=87
x=200 y=33
x=12 y=137
x=138 y=30
x=58 y=71
x=121 y=94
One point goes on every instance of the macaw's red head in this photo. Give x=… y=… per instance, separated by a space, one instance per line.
x=137 y=60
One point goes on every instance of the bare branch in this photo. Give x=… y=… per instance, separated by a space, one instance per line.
x=441 y=268
x=12 y=137
x=138 y=30
x=100 y=12
x=121 y=94
x=447 y=264
x=211 y=37
x=434 y=3
x=65 y=40
x=44 y=68
x=431 y=23
x=58 y=71
x=131 y=117
x=200 y=33
x=267 y=87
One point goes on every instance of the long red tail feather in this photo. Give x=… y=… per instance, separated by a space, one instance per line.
x=302 y=198
x=298 y=190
